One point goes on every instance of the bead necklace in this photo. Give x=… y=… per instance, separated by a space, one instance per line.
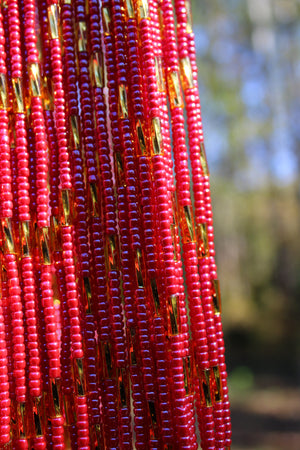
x=110 y=316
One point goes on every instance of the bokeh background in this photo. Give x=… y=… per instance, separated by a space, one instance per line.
x=249 y=76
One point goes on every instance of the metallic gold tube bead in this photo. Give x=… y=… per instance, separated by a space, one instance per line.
x=8 y=237
x=188 y=373
x=111 y=253
x=66 y=207
x=79 y=377
x=3 y=91
x=25 y=238
x=187 y=224
x=55 y=234
x=202 y=240
x=143 y=9
x=106 y=18
x=155 y=295
x=120 y=174
x=47 y=94
x=18 y=101
x=12 y=132
x=44 y=245
x=28 y=111
x=123 y=102
x=107 y=361
x=87 y=290
x=157 y=139
x=203 y=159
x=94 y=199
x=55 y=397
x=174 y=88
x=186 y=73
x=216 y=297
x=37 y=416
x=129 y=9
x=189 y=25
x=53 y=21
x=56 y=294
x=216 y=384
x=34 y=80
x=82 y=36
x=97 y=438
x=161 y=15
x=174 y=315
x=75 y=136
x=159 y=74
x=141 y=138
x=21 y=419
x=205 y=393
x=97 y=70
x=138 y=269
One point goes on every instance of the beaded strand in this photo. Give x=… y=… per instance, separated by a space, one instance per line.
x=10 y=261
x=201 y=189
x=27 y=263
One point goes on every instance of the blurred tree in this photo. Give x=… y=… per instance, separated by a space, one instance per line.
x=249 y=64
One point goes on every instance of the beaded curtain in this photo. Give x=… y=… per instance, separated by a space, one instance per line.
x=110 y=319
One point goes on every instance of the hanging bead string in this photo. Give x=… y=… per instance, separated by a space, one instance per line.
x=43 y=223
x=182 y=424
x=147 y=281
x=201 y=189
x=187 y=360
x=127 y=157
x=211 y=338
x=152 y=273
x=27 y=264
x=108 y=323
x=161 y=79
x=4 y=380
x=93 y=306
x=109 y=216
x=14 y=220
x=130 y=162
x=66 y=230
x=98 y=231
x=80 y=214
x=6 y=344
x=112 y=244
x=58 y=282
x=10 y=260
